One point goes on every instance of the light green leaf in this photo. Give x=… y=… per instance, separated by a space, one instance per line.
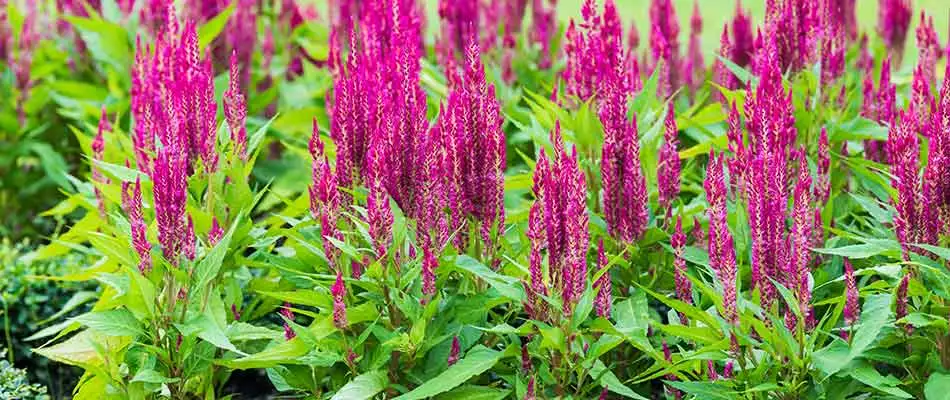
x=855 y=251
x=206 y=329
x=938 y=386
x=207 y=269
x=363 y=387
x=607 y=378
x=506 y=285
x=472 y=392
x=837 y=355
x=477 y=361
x=866 y=374
x=152 y=376
x=119 y=322
x=211 y=29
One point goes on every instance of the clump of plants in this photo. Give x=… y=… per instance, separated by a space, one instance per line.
x=515 y=209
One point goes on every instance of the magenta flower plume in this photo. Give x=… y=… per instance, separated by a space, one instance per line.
x=429 y=264
x=694 y=69
x=288 y=314
x=801 y=239
x=727 y=370
x=461 y=24
x=668 y=171
x=170 y=194
x=723 y=75
x=664 y=46
x=475 y=159
x=379 y=213
x=235 y=110
x=722 y=256
x=537 y=236
x=893 y=21
x=98 y=154
x=823 y=186
x=603 y=300
x=852 y=310
x=937 y=171
x=525 y=359
x=742 y=38
x=624 y=186
x=880 y=106
x=339 y=306
x=711 y=373
x=137 y=221
x=914 y=221
x=902 y=301
x=543 y=30
x=561 y=191
x=189 y=240
x=529 y=391
x=454 y=352
x=684 y=287
x=594 y=48
x=668 y=356
x=324 y=196
x=216 y=232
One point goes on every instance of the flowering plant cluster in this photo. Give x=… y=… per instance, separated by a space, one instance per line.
x=383 y=200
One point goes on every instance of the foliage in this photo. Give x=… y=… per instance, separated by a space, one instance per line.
x=14 y=384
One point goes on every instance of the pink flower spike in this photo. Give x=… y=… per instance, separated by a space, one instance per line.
x=529 y=392
x=684 y=287
x=851 y=307
x=139 y=228
x=603 y=300
x=668 y=171
x=429 y=264
x=235 y=110
x=454 y=352
x=216 y=232
x=288 y=314
x=339 y=306
x=189 y=240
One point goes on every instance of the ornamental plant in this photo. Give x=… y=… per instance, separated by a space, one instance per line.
x=402 y=200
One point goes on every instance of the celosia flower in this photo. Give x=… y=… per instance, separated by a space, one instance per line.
x=594 y=50
x=624 y=186
x=379 y=213
x=823 y=186
x=525 y=359
x=339 y=306
x=664 y=45
x=561 y=190
x=139 y=228
x=461 y=24
x=235 y=110
x=914 y=221
x=902 y=301
x=170 y=194
x=852 y=310
x=216 y=233
x=529 y=392
x=668 y=356
x=694 y=70
x=471 y=125
x=801 y=238
x=722 y=256
x=543 y=29
x=668 y=171
x=723 y=75
x=711 y=373
x=454 y=352
x=727 y=370
x=684 y=287
x=429 y=264
x=324 y=196
x=98 y=153
x=603 y=300
x=742 y=38
x=288 y=314
x=893 y=22
x=189 y=240
x=603 y=394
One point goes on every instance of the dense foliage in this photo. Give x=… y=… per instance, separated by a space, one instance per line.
x=262 y=199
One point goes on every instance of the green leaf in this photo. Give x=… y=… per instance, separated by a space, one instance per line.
x=837 y=355
x=866 y=374
x=477 y=361
x=207 y=269
x=82 y=349
x=119 y=322
x=938 y=386
x=506 y=285
x=704 y=390
x=211 y=29
x=107 y=42
x=206 y=329
x=152 y=376
x=363 y=387
x=607 y=378
x=472 y=392
x=856 y=251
